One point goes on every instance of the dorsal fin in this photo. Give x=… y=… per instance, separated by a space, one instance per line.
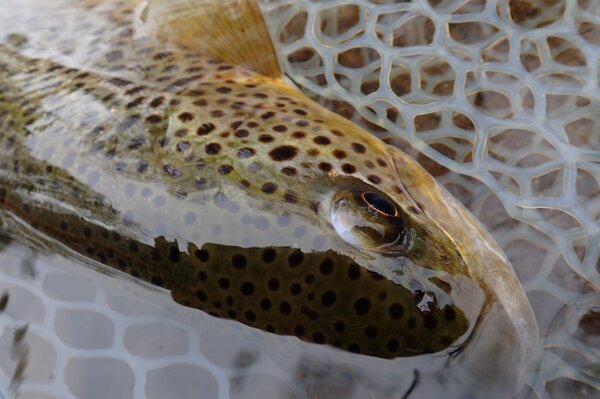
x=230 y=30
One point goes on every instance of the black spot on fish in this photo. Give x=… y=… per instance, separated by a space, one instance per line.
x=265 y=304
x=200 y=183
x=174 y=254
x=273 y=284
x=157 y=102
x=142 y=166
x=321 y=140
x=449 y=313
x=283 y=153
x=299 y=330
x=247 y=288
x=430 y=322
x=119 y=82
x=318 y=337
x=392 y=345
x=285 y=308
x=269 y=255
x=134 y=90
x=238 y=261
x=212 y=148
x=245 y=152
x=362 y=306
x=205 y=128
x=136 y=142
x=154 y=119
x=171 y=171
x=396 y=311
x=328 y=298
x=225 y=169
x=269 y=188
x=250 y=315
x=326 y=267
x=296 y=258
x=295 y=289
x=289 y=171
x=266 y=138
x=186 y=116
x=201 y=295
x=359 y=148
x=353 y=272
x=202 y=255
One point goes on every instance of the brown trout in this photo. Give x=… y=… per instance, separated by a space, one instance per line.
x=160 y=139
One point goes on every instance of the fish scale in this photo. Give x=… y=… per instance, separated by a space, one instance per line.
x=179 y=164
x=277 y=289
x=181 y=172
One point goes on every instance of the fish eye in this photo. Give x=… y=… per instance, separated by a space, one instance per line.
x=379 y=203
x=368 y=219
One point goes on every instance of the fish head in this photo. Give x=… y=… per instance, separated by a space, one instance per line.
x=372 y=240
x=396 y=222
x=376 y=206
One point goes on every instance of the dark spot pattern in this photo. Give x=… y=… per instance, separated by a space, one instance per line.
x=283 y=153
x=206 y=129
x=212 y=148
x=269 y=188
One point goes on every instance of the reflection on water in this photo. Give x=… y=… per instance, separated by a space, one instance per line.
x=69 y=330
x=499 y=101
x=78 y=324
x=106 y=335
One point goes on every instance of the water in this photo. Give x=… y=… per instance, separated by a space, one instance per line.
x=499 y=101
x=76 y=330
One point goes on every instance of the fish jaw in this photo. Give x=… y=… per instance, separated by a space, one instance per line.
x=484 y=260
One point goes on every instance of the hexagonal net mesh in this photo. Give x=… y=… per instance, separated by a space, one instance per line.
x=497 y=99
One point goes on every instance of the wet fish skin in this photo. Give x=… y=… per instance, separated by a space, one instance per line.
x=317 y=312
x=186 y=125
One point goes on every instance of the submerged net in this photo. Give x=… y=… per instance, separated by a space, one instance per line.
x=500 y=101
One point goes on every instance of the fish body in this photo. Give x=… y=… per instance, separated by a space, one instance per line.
x=196 y=168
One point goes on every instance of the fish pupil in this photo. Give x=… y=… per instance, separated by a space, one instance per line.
x=379 y=203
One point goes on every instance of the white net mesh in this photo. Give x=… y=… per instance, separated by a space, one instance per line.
x=69 y=332
x=509 y=101
x=500 y=101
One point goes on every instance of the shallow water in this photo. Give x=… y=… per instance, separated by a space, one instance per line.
x=84 y=329
x=499 y=101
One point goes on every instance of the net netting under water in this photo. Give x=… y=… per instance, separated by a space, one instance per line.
x=499 y=100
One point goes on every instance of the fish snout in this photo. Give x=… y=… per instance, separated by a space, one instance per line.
x=504 y=340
